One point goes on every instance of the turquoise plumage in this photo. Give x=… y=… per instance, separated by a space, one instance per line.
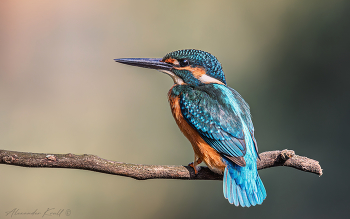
x=222 y=118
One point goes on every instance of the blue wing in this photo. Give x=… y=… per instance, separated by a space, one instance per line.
x=217 y=113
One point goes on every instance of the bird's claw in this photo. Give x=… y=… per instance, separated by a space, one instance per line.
x=195 y=168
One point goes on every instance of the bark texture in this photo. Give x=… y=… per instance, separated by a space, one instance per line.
x=142 y=172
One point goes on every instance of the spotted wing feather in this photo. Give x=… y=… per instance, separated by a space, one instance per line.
x=216 y=122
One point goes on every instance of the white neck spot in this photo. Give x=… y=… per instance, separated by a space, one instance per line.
x=206 y=79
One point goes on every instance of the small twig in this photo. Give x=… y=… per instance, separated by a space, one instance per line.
x=142 y=172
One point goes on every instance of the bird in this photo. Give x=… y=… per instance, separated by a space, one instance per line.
x=214 y=118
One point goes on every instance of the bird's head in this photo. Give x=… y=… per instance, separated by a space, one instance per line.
x=189 y=66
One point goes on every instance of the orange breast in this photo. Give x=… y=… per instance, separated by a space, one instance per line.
x=204 y=151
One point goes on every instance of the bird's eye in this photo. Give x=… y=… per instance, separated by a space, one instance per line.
x=184 y=62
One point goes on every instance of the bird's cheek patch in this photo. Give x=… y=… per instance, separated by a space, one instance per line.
x=196 y=72
x=200 y=74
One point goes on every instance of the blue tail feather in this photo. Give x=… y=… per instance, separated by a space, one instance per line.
x=242 y=185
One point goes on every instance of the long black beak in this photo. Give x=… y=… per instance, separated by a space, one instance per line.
x=146 y=63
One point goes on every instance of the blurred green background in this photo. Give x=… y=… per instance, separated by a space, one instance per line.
x=61 y=92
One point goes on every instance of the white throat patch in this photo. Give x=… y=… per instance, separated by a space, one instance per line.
x=176 y=79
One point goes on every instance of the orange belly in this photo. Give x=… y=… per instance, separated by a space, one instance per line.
x=204 y=151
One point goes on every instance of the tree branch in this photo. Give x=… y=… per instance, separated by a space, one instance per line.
x=142 y=172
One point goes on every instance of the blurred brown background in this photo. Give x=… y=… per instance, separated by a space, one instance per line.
x=61 y=92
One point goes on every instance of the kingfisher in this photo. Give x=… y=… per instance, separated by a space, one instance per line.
x=214 y=118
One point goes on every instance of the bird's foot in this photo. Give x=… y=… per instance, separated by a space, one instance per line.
x=195 y=168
